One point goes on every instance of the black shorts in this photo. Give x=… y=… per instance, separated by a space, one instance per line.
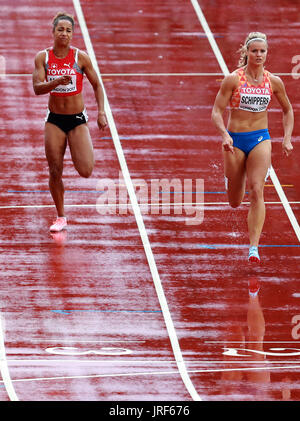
x=67 y=122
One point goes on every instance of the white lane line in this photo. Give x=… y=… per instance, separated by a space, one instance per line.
x=210 y=37
x=295 y=75
x=87 y=341
x=159 y=373
x=285 y=203
x=107 y=362
x=131 y=74
x=4 y=368
x=252 y=342
x=140 y=223
x=225 y=70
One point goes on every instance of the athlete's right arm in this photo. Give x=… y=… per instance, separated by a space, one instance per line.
x=228 y=85
x=40 y=85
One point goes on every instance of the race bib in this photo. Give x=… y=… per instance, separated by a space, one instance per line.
x=254 y=99
x=54 y=73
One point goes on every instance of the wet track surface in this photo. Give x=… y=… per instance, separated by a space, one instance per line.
x=82 y=314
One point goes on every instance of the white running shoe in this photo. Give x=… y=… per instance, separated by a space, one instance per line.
x=253 y=255
x=59 y=224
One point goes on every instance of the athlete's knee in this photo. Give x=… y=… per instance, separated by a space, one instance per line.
x=235 y=194
x=86 y=171
x=256 y=191
x=55 y=172
x=234 y=203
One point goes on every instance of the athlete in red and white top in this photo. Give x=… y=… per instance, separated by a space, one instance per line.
x=246 y=140
x=59 y=72
x=67 y=66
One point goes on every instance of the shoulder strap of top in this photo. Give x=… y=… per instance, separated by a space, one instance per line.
x=267 y=79
x=242 y=72
x=76 y=66
x=47 y=56
x=267 y=74
x=47 y=51
x=242 y=76
x=75 y=53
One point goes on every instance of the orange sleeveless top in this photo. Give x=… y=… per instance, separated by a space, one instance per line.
x=251 y=98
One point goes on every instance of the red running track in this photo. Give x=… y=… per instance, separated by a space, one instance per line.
x=85 y=316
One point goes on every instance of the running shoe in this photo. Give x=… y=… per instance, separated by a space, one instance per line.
x=254 y=287
x=59 y=237
x=59 y=224
x=253 y=255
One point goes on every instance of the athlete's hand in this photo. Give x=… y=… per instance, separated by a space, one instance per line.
x=64 y=80
x=287 y=147
x=102 y=122
x=227 y=143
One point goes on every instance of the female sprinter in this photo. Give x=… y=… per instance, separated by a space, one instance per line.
x=246 y=143
x=59 y=71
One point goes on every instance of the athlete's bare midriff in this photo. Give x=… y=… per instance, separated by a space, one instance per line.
x=66 y=105
x=246 y=121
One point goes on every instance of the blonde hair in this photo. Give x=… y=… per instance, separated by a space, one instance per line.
x=63 y=16
x=253 y=36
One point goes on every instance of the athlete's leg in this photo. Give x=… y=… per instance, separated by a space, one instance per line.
x=235 y=171
x=256 y=331
x=258 y=162
x=55 y=146
x=81 y=148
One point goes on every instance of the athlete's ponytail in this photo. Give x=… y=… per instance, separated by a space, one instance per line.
x=253 y=36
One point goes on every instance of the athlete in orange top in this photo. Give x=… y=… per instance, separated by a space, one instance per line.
x=246 y=141
x=59 y=71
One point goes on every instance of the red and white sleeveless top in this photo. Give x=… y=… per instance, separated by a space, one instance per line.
x=67 y=66
x=251 y=98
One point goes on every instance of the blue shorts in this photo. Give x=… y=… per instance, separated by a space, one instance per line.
x=246 y=141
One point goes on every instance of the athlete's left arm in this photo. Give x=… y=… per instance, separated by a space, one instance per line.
x=288 y=114
x=92 y=76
